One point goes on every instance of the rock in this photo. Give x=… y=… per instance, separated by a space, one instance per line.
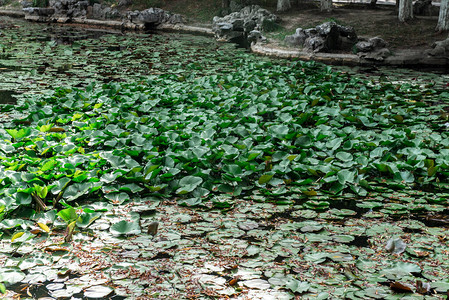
x=103 y=12
x=372 y=49
x=26 y=3
x=297 y=39
x=325 y=37
x=255 y=36
x=39 y=11
x=237 y=26
x=377 y=55
x=224 y=26
x=69 y=8
x=314 y=44
x=122 y=3
x=152 y=17
x=364 y=46
x=440 y=48
x=249 y=25
x=378 y=42
x=97 y=11
x=311 y=32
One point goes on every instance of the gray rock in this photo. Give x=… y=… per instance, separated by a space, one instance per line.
x=255 y=36
x=439 y=48
x=326 y=28
x=297 y=39
x=69 y=8
x=378 y=42
x=325 y=37
x=39 y=11
x=237 y=24
x=311 y=31
x=372 y=49
x=28 y=10
x=225 y=26
x=122 y=3
x=377 y=55
x=364 y=46
x=153 y=16
x=314 y=44
x=26 y=3
x=97 y=11
x=236 y=27
x=249 y=25
x=103 y=12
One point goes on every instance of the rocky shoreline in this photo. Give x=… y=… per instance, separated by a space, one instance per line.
x=400 y=58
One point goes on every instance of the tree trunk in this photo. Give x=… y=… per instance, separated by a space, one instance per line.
x=405 y=10
x=225 y=4
x=373 y=3
x=443 y=18
x=283 y=5
x=326 y=5
x=225 y=7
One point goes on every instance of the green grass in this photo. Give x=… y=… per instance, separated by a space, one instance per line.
x=201 y=11
x=142 y=4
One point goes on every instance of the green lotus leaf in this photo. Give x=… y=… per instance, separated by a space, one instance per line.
x=188 y=184
x=125 y=227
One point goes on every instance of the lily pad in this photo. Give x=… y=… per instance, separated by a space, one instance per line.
x=125 y=227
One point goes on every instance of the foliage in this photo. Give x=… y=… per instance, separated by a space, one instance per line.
x=291 y=128
x=148 y=3
x=270 y=26
x=40 y=3
x=311 y=182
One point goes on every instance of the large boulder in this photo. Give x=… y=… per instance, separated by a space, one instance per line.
x=439 y=48
x=326 y=37
x=26 y=3
x=236 y=27
x=297 y=39
x=103 y=12
x=372 y=49
x=153 y=17
x=69 y=8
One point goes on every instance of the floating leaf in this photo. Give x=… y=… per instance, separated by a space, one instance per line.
x=98 y=291
x=395 y=245
x=125 y=227
x=265 y=178
x=297 y=286
x=401 y=287
x=44 y=227
x=16 y=236
x=188 y=184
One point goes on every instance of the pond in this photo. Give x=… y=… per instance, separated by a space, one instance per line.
x=268 y=178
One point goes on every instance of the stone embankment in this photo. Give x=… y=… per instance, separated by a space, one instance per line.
x=402 y=58
x=116 y=24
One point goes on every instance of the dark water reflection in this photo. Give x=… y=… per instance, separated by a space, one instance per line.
x=8 y=97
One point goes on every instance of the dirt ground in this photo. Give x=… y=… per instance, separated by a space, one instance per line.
x=382 y=22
